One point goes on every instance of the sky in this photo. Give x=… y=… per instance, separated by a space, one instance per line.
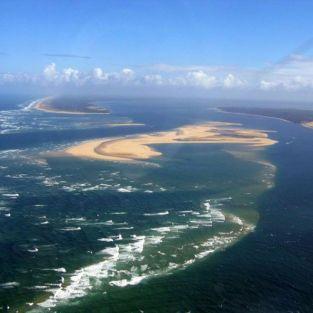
x=220 y=48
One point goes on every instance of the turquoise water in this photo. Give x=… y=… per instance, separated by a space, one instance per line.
x=183 y=232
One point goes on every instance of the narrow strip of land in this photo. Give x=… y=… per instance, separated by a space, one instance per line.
x=48 y=107
x=298 y=116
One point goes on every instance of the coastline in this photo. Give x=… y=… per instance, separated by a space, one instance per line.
x=220 y=109
x=42 y=106
x=307 y=124
x=125 y=124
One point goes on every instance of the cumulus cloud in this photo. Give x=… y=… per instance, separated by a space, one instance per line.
x=295 y=75
x=50 y=72
x=230 y=81
x=99 y=74
x=292 y=76
x=70 y=74
x=154 y=79
x=8 y=77
x=67 y=75
x=128 y=73
x=202 y=79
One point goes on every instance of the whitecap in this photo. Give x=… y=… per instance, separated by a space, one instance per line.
x=127 y=189
x=58 y=270
x=162 y=229
x=11 y=195
x=217 y=215
x=9 y=285
x=109 y=222
x=124 y=282
x=33 y=250
x=236 y=220
x=71 y=228
x=105 y=239
x=112 y=251
x=76 y=219
x=154 y=239
x=156 y=214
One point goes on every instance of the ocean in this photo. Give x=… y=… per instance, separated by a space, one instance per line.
x=203 y=228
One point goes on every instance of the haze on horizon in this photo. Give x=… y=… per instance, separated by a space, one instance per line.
x=226 y=49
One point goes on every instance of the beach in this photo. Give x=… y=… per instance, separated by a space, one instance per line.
x=125 y=124
x=308 y=124
x=49 y=108
x=138 y=147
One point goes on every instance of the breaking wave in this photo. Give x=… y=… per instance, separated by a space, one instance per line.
x=129 y=259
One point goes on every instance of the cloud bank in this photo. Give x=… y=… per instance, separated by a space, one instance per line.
x=292 y=77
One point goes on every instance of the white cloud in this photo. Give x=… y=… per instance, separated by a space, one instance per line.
x=50 y=72
x=268 y=85
x=154 y=79
x=99 y=74
x=231 y=81
x=8 y=77
x=202 y=79
x=293 y=75
x=127 y=74
x=70 y=75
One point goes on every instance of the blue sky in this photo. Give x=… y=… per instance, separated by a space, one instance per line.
x=141 y=35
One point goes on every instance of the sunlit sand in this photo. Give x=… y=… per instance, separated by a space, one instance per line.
x=308 y=124
x=139 y=147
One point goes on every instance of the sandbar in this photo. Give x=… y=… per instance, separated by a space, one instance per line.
x=125 y=124
x=139 y=147
x=49 y=108
x=308 y=124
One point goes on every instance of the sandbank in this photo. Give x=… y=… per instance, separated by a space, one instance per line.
x=125 y=124
x=45 y=107
x=139 y=147
x=308 y=124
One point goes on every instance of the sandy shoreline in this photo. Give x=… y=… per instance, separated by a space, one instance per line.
x=42 y=106
x=125 y=124
x=307 y=124
x=138 y=147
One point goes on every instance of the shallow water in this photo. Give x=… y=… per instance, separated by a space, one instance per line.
x=203 y=228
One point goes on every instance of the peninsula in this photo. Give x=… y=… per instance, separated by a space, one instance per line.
x=62 y=106
x=298 y=116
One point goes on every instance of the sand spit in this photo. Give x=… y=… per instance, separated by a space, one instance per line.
x=45 y=107
x=138 y=147
x=125 y=124
x=307 y=124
